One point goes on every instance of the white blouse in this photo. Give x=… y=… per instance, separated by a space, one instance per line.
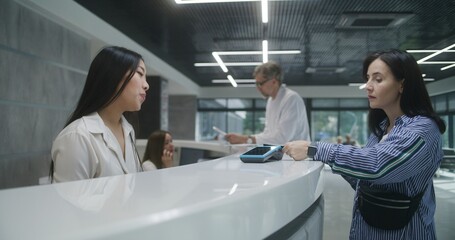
x=87 y=148
x=148 y=166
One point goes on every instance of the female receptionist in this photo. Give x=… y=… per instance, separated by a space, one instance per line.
x=97 y=140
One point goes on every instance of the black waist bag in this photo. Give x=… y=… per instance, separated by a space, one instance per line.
x=386 y=210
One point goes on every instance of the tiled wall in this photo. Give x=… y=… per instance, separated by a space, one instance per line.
x=42 y=72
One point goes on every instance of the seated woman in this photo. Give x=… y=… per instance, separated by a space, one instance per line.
x=159 y=151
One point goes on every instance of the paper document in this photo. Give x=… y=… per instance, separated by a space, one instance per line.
x=219 y=131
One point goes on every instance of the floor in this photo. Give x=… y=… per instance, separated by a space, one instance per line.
x=338 y=196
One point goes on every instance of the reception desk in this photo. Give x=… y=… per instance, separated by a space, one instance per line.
x=218 y=199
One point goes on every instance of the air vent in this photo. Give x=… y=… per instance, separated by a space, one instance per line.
x=372 y=20
x=326 y=70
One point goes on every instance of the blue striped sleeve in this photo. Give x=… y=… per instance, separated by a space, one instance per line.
x=403 y=154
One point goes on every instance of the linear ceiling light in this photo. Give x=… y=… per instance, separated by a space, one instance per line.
x=428 y=79
x=438 y=62
x=231 y=79
x=265 y=55
x=220 y=62
x=265 y=11
x=237 y=80
x=447 y=67
x=258 y=52
x=360 y=85
x=228 y=64
x=210 y=1
x=240 y=53
x=435 y=53
x=285 y=52
x=426 y=51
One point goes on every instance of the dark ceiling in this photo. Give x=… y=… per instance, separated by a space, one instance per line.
x=185 y=34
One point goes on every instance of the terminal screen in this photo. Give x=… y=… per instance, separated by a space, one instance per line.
x=258 y=151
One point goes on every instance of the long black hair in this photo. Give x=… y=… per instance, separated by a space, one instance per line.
x=109 y=68
x=414 y=98
x=107 y=71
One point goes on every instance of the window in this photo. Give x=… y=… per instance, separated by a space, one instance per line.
x=205 y=122
x=451 y=130
x=244 y=116
x=354 y=123
x=451 y=100
x=331 y=118
x=328 y=118
x=444 y=105
x=445 y=136
x=440 y=103
x=324 y=126
x=327 y=125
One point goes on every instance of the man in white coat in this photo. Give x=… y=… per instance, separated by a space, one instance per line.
x=285 y=114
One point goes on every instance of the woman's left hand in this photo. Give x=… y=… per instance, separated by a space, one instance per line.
x=297 y=150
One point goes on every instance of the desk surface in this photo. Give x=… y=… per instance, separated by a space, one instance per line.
x=219 y=199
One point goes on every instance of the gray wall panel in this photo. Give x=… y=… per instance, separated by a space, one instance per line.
x=182 y=116
x=43 y=68
x=35 y=80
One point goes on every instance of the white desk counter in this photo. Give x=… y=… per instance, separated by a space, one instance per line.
x=203 y=145
x=218 y=199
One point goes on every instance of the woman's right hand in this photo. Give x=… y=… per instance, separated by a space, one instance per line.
x=167 y=158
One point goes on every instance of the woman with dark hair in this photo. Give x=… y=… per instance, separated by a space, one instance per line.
x=97 y=140
x=393 y=173
x=159 y=151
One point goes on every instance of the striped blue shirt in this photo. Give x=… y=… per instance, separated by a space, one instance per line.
x=404 y=162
